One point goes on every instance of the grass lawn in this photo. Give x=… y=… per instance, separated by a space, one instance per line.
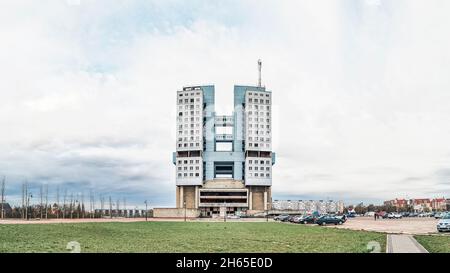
x=435 y=243
x=184 y=237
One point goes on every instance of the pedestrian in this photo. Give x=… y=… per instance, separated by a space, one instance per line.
x=375 y=216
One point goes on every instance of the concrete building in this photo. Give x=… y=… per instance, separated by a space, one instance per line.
x=398 y=203
x=224 y=163
x=419 y=204
x=308 y=206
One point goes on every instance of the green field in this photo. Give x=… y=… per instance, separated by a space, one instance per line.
x=184 y=237
x=435 y=243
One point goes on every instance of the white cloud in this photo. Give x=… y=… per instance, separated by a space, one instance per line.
x=360 y=91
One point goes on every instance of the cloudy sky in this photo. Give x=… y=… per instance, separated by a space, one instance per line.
x=361 y=92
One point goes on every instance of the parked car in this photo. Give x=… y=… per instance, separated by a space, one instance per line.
x=294 y=219
x=438 y=215
x=351 y=215
x=342 y=217
x=307 y=219
x=329 y=220
x=384 y=214
x=394 y=216
x=405 y=214
x=282 y=217
x=413 y=214
x=444 y=223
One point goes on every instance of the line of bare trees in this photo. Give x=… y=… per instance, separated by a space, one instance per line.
x=65 y=205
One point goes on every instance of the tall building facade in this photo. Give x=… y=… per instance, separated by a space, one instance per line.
x=224 y=163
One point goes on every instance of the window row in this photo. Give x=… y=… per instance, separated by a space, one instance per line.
x=256 y=168
x=191 y=100
x=256 y=113
x=180 y=114
x=180 y=175
x=191 y=132
x=251 y=125
x=258 y=132
x=261 y=175
x=258 y=94
x=258 y=107
x=187 y=94
x=257 y=161
x=259 y=145
x=188 y=145
x=190 y=161
x=191 y=168
x=259 y=119
x=260 y=101
x=187 y=126
x=197 y=138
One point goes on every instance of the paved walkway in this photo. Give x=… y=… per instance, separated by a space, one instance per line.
x=403 y=244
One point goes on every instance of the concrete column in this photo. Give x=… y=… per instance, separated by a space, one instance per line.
x=265 y=199
x=181 y=197
x=196 y=197
x=250 y=199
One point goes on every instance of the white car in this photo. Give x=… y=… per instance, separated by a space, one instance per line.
x=444 y=223
x=395 y=216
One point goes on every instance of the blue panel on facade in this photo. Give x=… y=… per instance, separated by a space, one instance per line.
x=208 y=100
x=238 y=166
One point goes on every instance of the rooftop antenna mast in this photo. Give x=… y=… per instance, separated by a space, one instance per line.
x=259 y=72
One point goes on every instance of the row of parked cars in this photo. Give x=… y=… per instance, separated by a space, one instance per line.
x=312 y=219
x=395 y=215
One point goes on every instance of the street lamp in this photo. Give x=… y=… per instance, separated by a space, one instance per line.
x=146 y=211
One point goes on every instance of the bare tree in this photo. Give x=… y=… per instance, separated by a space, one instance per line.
x=3 y=198
x=71 y=206
x=118 y=207
x=41 y=204
x=110 y=207
x=46 y=201
x=57 y=201
x=102 y=205
x=92 y=204
x=64 y=204
x=27 y=200
x=23 y=201
x=125 y=207
x=82 y=205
